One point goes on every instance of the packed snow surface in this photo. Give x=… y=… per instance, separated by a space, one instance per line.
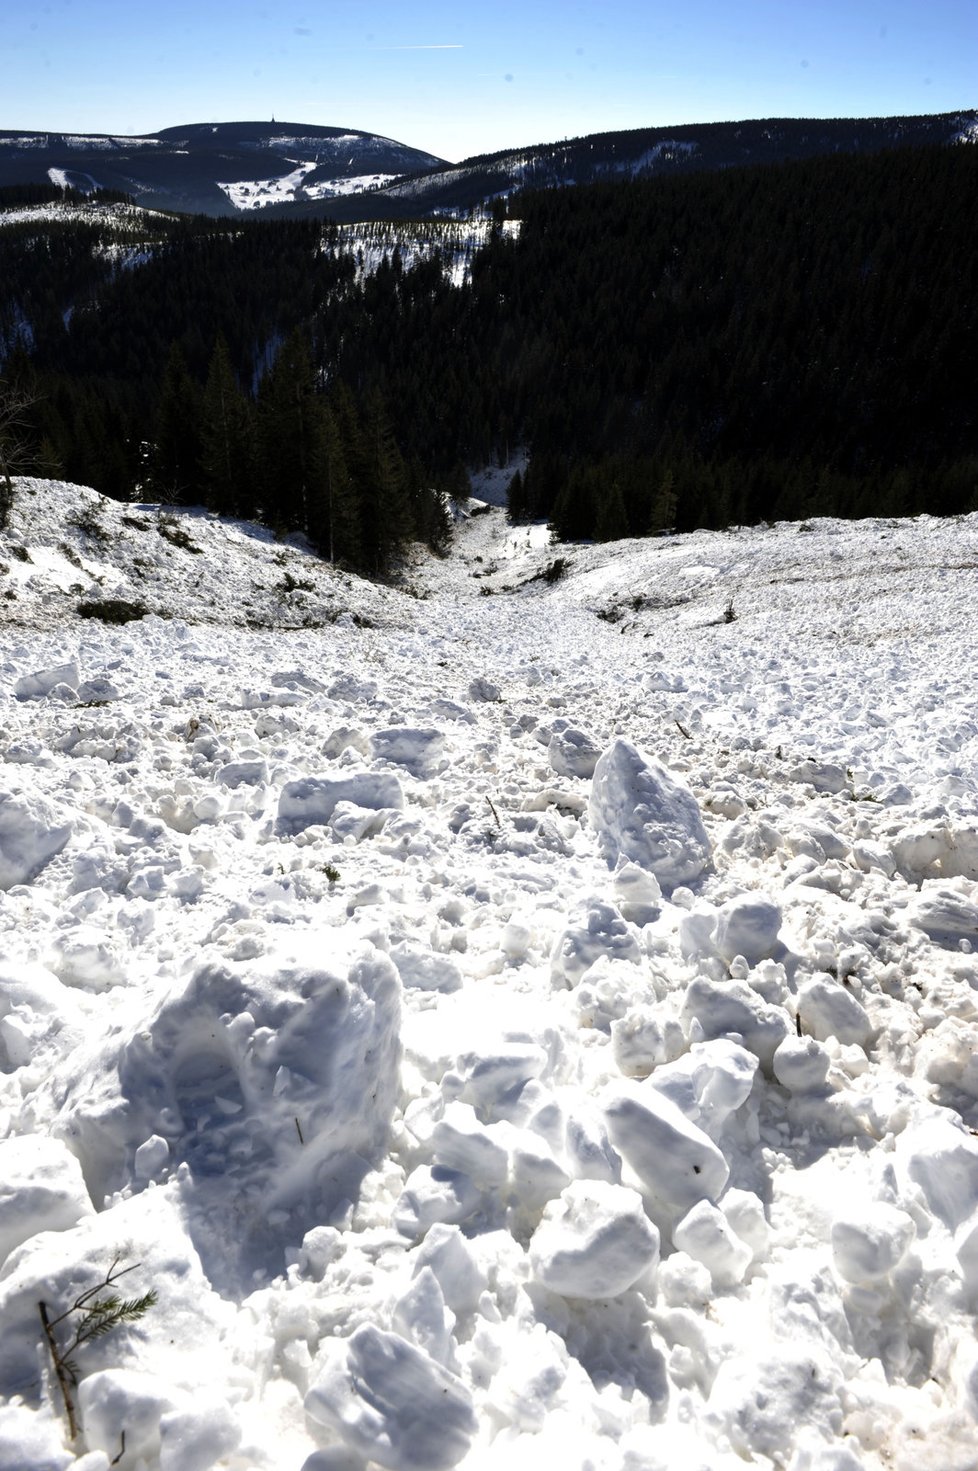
x=522 y=1016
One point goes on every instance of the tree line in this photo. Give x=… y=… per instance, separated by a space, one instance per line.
x=774 y=341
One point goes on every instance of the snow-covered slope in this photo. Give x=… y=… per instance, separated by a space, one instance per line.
x=524 y=1017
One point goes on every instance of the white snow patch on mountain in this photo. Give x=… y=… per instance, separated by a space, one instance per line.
x=258 y=193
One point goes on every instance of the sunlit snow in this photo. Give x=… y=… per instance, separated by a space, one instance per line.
x=526 y=1015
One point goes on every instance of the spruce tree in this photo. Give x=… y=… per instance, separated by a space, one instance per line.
x=174 y=465
x=227 y=440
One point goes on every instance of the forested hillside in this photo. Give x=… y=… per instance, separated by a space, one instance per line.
x=748 y=344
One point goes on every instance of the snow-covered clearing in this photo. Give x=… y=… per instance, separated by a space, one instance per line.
x=259 y=193
x=524 y=1018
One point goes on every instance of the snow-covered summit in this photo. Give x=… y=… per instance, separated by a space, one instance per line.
x=528 y=1014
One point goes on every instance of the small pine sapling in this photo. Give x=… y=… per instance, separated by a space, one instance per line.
x=90 y=1316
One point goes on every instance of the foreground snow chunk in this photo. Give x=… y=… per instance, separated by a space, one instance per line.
x=869 y=1243
x=30 y=836
x=393 y=1403
x=722 y=1007
x=943 y=1160
x=761 y=1403
x=312 y=799
x=573 y=753
x=748 y=925
x=641 y=812
x=115 y=1400
x=676 y=1161
x=706 y=1235
x=41 y=1189
x=594 y=1242
x=708 y=1083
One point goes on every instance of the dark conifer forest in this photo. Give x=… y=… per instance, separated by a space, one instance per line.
x=773 y=342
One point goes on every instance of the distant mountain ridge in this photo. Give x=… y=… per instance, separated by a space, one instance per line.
x=213 y=168
x=301 y=168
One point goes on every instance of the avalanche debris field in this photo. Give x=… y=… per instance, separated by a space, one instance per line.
x=523 y=1016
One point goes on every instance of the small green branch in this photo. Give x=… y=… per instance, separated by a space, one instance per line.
x=93 y=1316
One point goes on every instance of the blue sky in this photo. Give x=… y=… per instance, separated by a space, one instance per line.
x=462 y=78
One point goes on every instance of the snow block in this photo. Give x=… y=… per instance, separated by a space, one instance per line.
x=801 y=1064
x=943 y=1160
x=641 y=812
x=594 y=1242
x=311 y=799
x=43 y=681
x=422 y=969
x=603 y=932
x=573 y=752
x=393 y=1403
x=706 y=1235
x=945 y=916
x=827 y=1009
x=748 y=925
x=460 y=1142
x=41 y=1189
x=117 y=1401
x=30 y=836
x=675 y=1159
x=421 y=752
x=720 y=1008
x=755 y=1400
x=867 y=1244
x=227 y=1067
x=708 y=1083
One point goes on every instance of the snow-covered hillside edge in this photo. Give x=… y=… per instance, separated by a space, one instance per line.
x=510 y=1020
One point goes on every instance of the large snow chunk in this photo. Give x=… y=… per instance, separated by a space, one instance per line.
x=271 y=1085
x=420 y=751
x=708 y=1083
x=593 y=1242
x=31 y=1438
x=421 y=969
x=706 y=1235
x=748 y=925
x=197 y=1437
x=945 y=916
x=641 y=812
x=759 y=1402
x=602 y=931
x=943 y=1160
x=460 y=1142
x=722 y=1007
x=311 y=799
x=868 y=1243
x=938 y=849
x=801 y=1064
x=35 y=1008
x=434 y=1194
x=573 y=753
x=827 y=1009
x=30 y=836
x=42 y=681
x=393 y=1403
x=41 y=1189
x=675 y=1159
x=117 y=1401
